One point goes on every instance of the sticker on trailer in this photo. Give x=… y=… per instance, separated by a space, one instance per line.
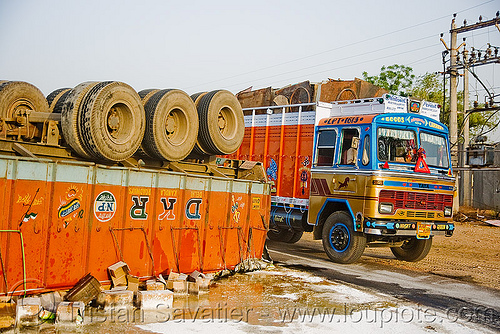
x=104 y=206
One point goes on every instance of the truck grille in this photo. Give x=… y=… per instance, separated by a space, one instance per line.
x=415 y=200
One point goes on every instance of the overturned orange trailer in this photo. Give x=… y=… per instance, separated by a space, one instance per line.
x=65 y=218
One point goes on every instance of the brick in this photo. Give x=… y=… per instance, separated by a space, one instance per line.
x=70 y=313
x=116 y=299
x=85 y=290
x=193 y=288
x=27 y=312
x=155 y=299
x=132 y=283
x=154 y=285
x=118 y=273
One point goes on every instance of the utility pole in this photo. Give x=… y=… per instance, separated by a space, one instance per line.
x=453 y=105
x=466 y=180
x=453 y=72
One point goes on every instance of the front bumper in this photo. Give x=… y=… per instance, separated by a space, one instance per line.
x=406 y=228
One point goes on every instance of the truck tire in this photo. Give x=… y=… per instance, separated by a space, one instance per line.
x=19 y=96
x=281 y=235
x=111 y=121
x=341 y=243
x=171 y=125
x=295 y=237
x=222 y=125
x=197 y=151
x=197 y=96
x=146 y=94
x=70 y=114
x=413 y=249
x=56 y=99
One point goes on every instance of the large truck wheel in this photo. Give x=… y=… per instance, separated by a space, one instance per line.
x=70 y=112
x=341 y=243
x=20 y=96
x=171 y=125
x=111 y=121
x=278 y=234
x=295 y=237
x=146 y=94
x=56 y=99
x=222 y=125
x=412 y=249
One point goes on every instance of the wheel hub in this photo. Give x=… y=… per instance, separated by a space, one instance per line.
x=113 y=120
x=221 y=122
x=170 y=125
x=339 y=237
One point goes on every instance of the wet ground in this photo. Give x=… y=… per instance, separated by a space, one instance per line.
x=276 y=300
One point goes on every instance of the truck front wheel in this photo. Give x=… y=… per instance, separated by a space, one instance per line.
x=412 y=249
x=341 y=243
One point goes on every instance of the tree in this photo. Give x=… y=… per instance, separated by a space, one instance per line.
x=429 y=87
x=396 y=79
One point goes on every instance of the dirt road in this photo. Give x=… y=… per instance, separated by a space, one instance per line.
x=472 y=254
x=459 y=275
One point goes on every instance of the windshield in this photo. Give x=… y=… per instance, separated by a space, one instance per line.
x=396 y=145
x=436 y=150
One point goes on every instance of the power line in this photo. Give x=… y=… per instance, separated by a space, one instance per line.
x=333 y=69
x=338 y=48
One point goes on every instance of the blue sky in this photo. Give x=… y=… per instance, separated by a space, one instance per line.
x=205 y=45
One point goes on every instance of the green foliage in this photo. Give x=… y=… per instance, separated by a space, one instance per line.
x=428 y=87
x=399 y=79
x=396 y=79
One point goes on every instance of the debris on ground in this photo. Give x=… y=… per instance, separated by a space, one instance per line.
x=118 y=273
x=27 y=311
x=126 y=292
x=247 y=265
x=85 y=290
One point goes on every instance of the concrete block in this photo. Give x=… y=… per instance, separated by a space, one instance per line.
x=152 y=285
x=27 y=312
x=177 y=283
x=70 y=313
x=85 y=290
x=118 y=273
x=50 y=301
x=193 y=288
x=201 y=280
x=155 y=299
x=116 y=299
x=178 y=286
x=132 y=283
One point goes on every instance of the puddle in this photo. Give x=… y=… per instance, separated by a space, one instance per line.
x=276 y=299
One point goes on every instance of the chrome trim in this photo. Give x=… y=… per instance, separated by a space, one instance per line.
x=378 y=231
x=373 y=231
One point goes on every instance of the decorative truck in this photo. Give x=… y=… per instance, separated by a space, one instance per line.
x=370 y=172
x=100 y=173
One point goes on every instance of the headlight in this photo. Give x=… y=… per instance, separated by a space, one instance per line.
x=447 y=211
x=385 y=208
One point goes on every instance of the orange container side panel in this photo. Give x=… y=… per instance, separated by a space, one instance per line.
x=284 y=144
x=304 y=162
x=107 y=215
x=76 y=218
x=68 y=219
x=29 y=214
x=218 y=214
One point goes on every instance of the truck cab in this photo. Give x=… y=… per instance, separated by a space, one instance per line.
x=380 y=179
x=365 y=172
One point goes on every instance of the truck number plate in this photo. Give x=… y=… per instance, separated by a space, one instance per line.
x=423 y=230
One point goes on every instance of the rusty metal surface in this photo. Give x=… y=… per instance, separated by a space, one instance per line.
x=336 y=90
x=63 y=219
x=256 y=98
